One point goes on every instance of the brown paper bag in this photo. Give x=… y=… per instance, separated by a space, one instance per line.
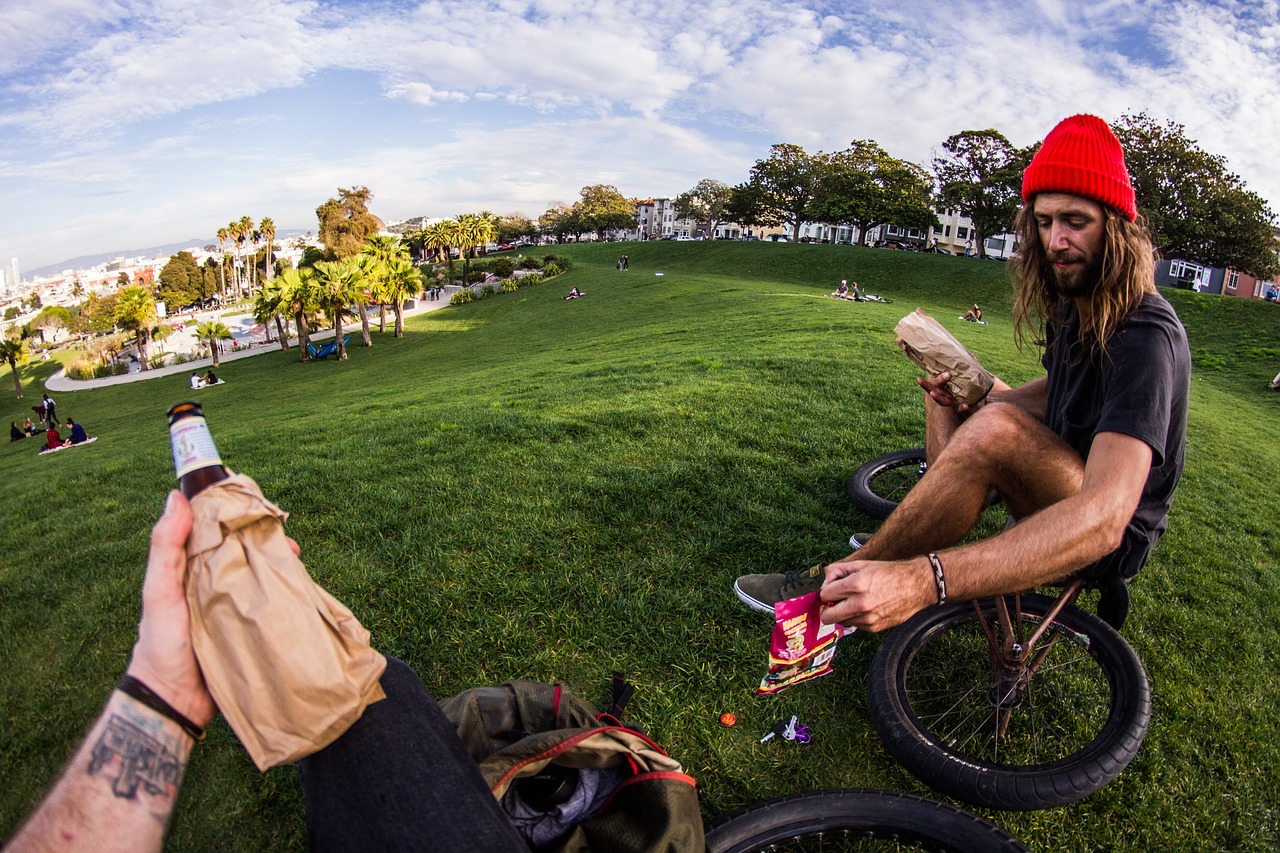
x=936 y=350
x=289 y=666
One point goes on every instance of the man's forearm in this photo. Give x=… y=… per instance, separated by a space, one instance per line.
x=120 y=789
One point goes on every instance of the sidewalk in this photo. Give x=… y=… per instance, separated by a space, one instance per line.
x=60 y=382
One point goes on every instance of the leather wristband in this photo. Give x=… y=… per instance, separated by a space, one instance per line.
x=141 y=693
x=939 y=578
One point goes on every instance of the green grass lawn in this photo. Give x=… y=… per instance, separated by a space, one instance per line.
x=528 y=487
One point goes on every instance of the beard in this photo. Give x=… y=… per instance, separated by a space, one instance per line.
x=1079 y=280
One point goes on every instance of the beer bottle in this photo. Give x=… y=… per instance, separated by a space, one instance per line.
x=195 y=458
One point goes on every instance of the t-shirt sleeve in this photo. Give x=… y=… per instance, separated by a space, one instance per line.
x=1141 y=386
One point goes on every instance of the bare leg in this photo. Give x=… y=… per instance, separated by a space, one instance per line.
x=1000 y=446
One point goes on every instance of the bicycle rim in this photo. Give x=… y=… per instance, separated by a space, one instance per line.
x=850 y=820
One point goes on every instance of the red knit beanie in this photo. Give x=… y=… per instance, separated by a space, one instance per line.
x=1081 y=156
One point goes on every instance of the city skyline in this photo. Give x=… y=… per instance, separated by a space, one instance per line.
x=145 y=122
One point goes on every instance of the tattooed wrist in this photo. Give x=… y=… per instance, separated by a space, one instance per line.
x=139 y=749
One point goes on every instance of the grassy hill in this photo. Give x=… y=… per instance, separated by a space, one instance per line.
x=529 y=487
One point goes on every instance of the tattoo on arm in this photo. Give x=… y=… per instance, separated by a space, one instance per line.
x=138 y=759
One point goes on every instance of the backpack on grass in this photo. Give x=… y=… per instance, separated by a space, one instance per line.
x=573 y=778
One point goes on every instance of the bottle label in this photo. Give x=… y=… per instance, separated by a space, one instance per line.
x=193 y=446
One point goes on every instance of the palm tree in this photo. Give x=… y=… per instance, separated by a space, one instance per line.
x=214 y=331
x=298 y=297
x=222 y=261
x=383 y=249
x=404 y=280
x=267 y=228
x=338 y=283
x=244 y=231
x=136 y=312
x=268 y=306
x=14 y=352
x=417 y=243
x=440 y=239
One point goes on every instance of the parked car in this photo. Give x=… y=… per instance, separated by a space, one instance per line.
x=684 y=237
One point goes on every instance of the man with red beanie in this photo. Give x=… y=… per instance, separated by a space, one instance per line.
x=1086 y=458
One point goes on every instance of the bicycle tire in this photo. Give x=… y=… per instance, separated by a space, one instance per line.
x=878 y=486
x=1076 y=727
x=856 y=819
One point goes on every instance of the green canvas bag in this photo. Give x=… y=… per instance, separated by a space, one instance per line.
x=573 y=778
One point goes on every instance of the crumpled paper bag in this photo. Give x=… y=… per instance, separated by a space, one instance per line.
x=935 y=350
x=288 y=664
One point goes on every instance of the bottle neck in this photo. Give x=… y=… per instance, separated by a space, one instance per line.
x=195 y=457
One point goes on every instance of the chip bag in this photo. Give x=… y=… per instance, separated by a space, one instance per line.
x=802 y=647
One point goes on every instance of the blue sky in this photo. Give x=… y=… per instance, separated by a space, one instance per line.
x=127 y=123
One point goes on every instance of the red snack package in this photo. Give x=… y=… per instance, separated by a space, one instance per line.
x=802 y=647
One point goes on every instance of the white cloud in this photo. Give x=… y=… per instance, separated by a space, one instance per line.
x=120 y=109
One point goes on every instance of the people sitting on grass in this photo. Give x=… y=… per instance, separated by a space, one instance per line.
x=52 y=440
x=78 y=435
x=196 y=381
x=15 y=432
x=973 y=315
x=842 y=292
x=211 y=378
x=1274 y=384
x=30 y=428
x=574 y=294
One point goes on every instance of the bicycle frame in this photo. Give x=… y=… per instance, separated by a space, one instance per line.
x=1014 y=663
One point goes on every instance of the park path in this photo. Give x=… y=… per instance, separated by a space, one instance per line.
x=61 y=382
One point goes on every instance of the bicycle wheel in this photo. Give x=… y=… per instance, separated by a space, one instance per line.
x=992 y=740
x=878 y=486
x=852 y=819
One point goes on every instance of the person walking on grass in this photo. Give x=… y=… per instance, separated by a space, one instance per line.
x=1086 y=458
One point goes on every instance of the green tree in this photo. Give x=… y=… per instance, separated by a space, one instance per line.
x=122 y=280
x=181 y=281
x=602 y=208
x=381 y=250
x=136 y=312
x=979 y=173
x=300 y=298
x=269 y=304
x=706 y=203
x=345 y=222
x=865 y=186
x=100 y=312
x=13 y=351
x=215 y=332
x=223 y=236
x=439 y=240
x=267 y=228
x=782 y=186
x=77 y=289
x=1196 y=209
x=338 y=284
x=404 y=280
x=516 y=226
x=50 y=319
x=561 y=222
x=33 y=301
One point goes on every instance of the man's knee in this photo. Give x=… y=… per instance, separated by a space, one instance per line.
x=1000 y=427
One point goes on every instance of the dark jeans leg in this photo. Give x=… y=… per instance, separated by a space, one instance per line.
x=399 y=779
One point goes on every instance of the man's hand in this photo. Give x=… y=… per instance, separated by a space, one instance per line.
x=876 y=595
x=936 y=388
x=163 y=657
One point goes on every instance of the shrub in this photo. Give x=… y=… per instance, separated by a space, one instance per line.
x=84 y=367
x=476 y=276
x=462 y=297
x=530 y=263
x=531 y=279
x=158 y=359
x=111 y=368
x=487 y=291
x=510 y=285
x=552 y=268
x=503 y=267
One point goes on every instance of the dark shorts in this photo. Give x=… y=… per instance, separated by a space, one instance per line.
x=1125 y=561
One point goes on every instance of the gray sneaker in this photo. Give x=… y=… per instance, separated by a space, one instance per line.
x=857 y=540
x=762 y=592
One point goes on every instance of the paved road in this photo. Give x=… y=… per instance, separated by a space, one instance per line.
x=60 y=382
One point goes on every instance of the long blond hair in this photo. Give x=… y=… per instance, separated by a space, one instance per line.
x=1127 y=274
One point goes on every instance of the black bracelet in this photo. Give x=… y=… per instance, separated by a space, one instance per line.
x=136 y=690
x=939 y=579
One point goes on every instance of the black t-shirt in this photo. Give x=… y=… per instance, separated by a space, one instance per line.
x=1138 y=388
